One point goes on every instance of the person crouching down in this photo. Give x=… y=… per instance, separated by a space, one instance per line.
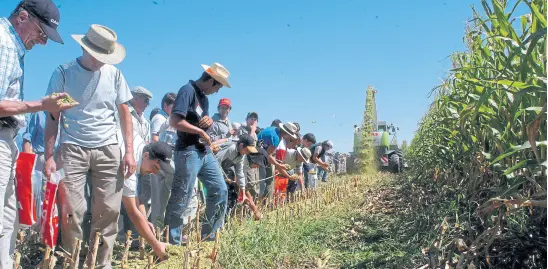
x=232 y=154
x=150 y=160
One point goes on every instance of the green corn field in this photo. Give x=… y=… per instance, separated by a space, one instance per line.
x=483 y=142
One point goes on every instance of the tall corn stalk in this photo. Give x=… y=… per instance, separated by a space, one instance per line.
x=367 y=152
x=484 y=138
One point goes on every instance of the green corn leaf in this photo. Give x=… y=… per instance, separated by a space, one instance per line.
x=534 y=108
x=512 y=189
x=519 y=165
x=530 y=89
x=538 y=15
x=496 y=132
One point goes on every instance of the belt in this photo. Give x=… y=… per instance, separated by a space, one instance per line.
x=196 y=148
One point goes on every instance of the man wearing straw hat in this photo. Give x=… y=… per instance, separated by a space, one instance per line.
x=32 y=22
x=274 y=139
x=88 y=140
x=193 y=157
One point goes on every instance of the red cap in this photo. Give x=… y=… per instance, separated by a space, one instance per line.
x=225 y=101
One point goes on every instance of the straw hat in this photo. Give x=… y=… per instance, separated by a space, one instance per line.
x=100 y=42
x=218 y=72
x=290 y=129
x=305 y=154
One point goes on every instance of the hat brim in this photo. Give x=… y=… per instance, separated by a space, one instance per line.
x=222 y=80
x=149 y=95
x=167 y=167
x=252 y=149
x=116 y=57
x=300 y=151
x=52 y=33
x=281 y=125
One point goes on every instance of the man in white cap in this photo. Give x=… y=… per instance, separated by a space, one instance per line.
x=88 y=141
x=138 y=104
x=141 y=127
x=193 y=157
x=31 y=22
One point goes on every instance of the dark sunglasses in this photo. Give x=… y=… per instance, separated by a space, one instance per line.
x=215 y=83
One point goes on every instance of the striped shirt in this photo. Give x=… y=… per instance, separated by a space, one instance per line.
x=12 y=53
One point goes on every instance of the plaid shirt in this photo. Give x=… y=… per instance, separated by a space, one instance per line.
x=12 y=53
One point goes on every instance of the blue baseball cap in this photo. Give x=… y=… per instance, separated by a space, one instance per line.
x=47 y=13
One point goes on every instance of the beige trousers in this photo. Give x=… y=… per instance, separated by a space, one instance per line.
x=106 y=182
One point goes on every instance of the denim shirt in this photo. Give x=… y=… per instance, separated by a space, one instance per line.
x=35 y=131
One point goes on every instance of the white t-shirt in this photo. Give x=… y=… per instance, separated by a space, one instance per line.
x=130 y=184
x=291 y=156
x=167 y=133
x=140 y=124
x=156 y=123
x=92 y=123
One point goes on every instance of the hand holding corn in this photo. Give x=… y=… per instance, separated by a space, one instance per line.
x=57 y=102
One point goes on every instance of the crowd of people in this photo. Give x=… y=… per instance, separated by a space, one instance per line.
x=124 y=170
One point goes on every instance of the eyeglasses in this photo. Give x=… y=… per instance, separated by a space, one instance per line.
x=144 y=97
x=42 y=33
x=215 y=83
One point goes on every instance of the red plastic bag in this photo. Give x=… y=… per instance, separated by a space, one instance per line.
x=26 y=204
x=280 y=188
x=49 y=226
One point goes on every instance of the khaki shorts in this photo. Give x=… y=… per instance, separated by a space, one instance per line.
x=252 y=184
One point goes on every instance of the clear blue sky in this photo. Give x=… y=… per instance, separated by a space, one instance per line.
x=297 y=61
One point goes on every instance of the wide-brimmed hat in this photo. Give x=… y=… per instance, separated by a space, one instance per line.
x=100 y=42
x=218 y=72
x=290 y=129
x=305 y=154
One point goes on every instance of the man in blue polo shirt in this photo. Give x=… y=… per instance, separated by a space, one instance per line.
x=273 y=140
x=193 y=157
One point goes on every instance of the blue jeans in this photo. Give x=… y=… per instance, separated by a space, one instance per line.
x=310 y=180
x=189 y=165
x=322 y=174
